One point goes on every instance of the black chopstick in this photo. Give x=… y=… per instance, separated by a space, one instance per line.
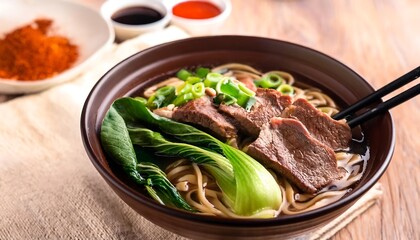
x=375 y=96
x=384 y=106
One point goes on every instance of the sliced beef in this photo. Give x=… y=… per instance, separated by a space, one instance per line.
x=201 y=112
x=285 y=145
x=269 y=103
x=336 y=134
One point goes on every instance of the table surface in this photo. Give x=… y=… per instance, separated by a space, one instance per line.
x=379 y=39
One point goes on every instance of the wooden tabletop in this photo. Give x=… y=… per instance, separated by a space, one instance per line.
x=380 y=40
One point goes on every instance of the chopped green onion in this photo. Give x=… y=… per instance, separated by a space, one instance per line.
x=184 y=88
x=182 y=99
x=250 y=103
x=227 y=86
x=224 y=98
x=212 y=79
x=238 y=91
x=202 y=72
x=286 y=89
x=183 y=74
x=192 y=80
x=167 y=90
x=270 y=80
x=246 y=90
x=198 y=89
x=228 y=90
x=162 y=97
x=242 y=99
x=245 y=96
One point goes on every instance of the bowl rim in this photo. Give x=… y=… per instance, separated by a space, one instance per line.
x=254 y=223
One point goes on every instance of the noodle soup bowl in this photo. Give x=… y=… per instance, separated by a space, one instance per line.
x=145 y=68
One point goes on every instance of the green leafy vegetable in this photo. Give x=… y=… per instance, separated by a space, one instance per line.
x=217 y=165
x=116 y=142
x=160 y=188
x=256 y=189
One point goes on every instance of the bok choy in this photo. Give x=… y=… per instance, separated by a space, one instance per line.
x=255 y=190
x=116 y=141
x=217 y=165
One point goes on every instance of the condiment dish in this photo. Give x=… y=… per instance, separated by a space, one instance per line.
x=126 y=30
x=145 y=68
x=82 y=25
x=206 y=26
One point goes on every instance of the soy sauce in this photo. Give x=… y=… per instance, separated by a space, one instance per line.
x=136 y=15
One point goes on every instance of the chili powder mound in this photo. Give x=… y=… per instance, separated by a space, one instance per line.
x=29 y=53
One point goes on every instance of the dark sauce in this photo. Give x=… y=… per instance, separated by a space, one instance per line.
x=136 y=15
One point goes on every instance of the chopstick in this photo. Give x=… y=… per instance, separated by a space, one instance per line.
x=384 y=106
x=377 y=95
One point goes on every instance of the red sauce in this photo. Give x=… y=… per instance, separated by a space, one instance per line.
x=196 y=10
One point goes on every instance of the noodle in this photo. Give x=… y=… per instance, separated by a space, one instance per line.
x=201 y=191
x=236 y=66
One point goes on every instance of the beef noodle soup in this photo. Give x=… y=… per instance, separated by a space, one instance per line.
x=285 y=127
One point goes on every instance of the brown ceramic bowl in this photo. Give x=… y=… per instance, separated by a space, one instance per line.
x=146 y=67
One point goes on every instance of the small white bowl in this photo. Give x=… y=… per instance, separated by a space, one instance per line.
x=126 y=31
x=82 y=25
x=201 y=27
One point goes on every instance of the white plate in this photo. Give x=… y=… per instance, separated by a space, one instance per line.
x=84 y=27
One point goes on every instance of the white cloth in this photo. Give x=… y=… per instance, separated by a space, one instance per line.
x=49 y=189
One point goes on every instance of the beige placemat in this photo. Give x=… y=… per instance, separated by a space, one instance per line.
x=48 y=187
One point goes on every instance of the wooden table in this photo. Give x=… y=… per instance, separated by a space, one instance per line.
x=380 y=40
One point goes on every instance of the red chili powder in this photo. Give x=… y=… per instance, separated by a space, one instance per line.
x=30 y=53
